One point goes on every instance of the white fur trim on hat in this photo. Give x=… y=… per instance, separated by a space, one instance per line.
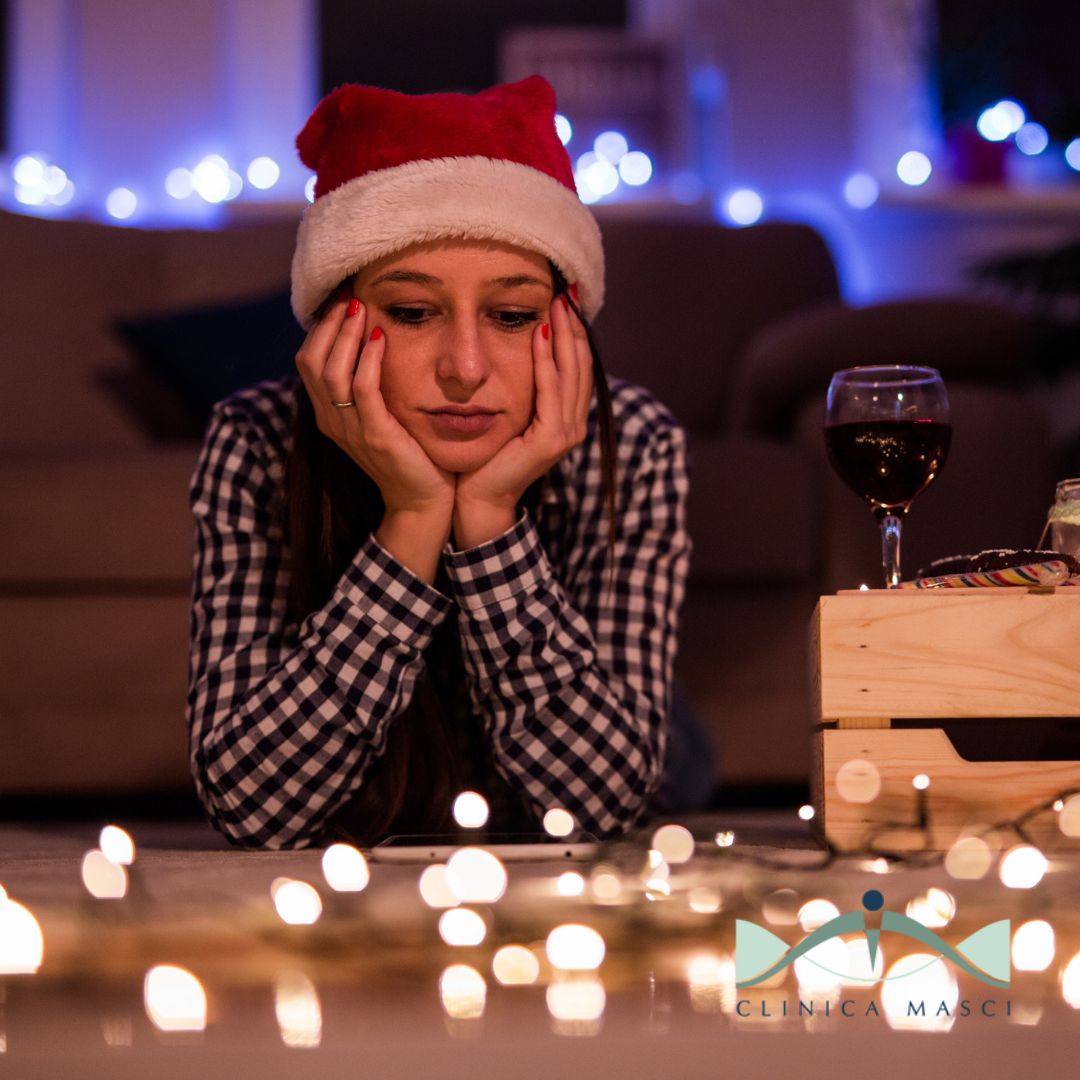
x=470 y=197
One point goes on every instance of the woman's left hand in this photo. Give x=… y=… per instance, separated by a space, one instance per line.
x=485 y=504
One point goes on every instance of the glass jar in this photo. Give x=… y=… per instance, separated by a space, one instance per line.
x=1063 y=522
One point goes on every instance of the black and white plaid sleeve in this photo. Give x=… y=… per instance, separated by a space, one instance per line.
x=284 y=721
x=573 y=677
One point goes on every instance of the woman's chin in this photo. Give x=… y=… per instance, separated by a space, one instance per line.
x=461 y=457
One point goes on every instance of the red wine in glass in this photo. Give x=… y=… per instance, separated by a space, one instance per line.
x=887 y=433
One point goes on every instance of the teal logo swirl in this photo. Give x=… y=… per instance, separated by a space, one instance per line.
x=760 y=954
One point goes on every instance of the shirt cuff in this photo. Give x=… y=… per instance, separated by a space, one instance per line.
x=490 y=575
x=391 y=596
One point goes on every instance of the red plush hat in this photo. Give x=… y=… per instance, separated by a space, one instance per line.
x=394 y=169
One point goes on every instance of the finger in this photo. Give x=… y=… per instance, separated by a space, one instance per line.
x=566 y=358
x=367 y=380
x=337 y=374
x=545 y=375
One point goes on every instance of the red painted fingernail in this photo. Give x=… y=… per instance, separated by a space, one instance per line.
x=376 y=333
x=574 y=291
x=354 y=307
x=565 y=302
x=544 y=330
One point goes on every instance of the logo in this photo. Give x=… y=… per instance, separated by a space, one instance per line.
x=760 y=954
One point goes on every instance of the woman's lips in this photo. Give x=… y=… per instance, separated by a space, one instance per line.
x=453 y=423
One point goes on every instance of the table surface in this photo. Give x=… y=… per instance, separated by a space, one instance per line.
x=365 y=990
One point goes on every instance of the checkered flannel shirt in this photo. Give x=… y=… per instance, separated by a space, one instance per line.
x=570 y=678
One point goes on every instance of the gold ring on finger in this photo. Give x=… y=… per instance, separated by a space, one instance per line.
x=343 y=404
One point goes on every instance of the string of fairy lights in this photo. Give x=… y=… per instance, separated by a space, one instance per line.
x=607 y=170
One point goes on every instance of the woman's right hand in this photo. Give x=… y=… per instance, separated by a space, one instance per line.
x=409 y=481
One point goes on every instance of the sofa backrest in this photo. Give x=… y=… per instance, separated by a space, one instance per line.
x=683 y=299
x=65 y=284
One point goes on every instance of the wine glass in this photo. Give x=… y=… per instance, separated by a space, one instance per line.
x=887 y=431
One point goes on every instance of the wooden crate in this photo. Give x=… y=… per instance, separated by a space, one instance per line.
x=886 y=655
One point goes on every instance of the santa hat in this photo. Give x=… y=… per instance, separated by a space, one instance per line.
x=394 y=169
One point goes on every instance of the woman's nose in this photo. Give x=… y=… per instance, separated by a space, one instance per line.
x=462 y=358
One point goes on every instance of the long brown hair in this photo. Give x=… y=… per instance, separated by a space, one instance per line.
x=331 y=506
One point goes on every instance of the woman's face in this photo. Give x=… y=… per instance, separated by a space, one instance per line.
x=459 y=318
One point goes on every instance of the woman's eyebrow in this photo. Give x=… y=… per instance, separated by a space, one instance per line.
x=413 y=277
x=416 y=277
x=515 y=280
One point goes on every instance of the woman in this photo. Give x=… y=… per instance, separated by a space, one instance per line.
x=449 y=556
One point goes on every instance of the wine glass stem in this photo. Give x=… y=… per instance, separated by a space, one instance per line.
x=890 y=550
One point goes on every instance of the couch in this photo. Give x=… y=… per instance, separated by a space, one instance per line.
x=735 y=329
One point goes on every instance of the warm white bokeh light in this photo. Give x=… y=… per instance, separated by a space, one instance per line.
x=1070 y=982
x=462 y=927
x=476 y=876
x=725 y=838
x=934 y=908
x=573 y=947
x=822 y=969
x=435 y=888
x=969 y=858
x=471 y=810
x=297 y=903
x=22 y=944
x=925 y=981
x=781 y=907
x=581 y=999
x=711 y=981
x=920 y=781
x=704 y=899
x=1033 y=946
x=1022 y=867
x=1069 y=816
x=298 y=1012
x=514 y=965
x=345 y=868
x=463 y=992
x=104 y=880
x=558 y=822
x=605 y=885
x=570 y=884
x=116 y=845
x=674 y=842
x=858 y=781
x=815 y=913
x=174 y=998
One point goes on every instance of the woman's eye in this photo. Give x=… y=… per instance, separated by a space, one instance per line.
x=514 y=320
x=408 y=316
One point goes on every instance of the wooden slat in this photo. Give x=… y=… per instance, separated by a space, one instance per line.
x=977 y=653
x=962 y=794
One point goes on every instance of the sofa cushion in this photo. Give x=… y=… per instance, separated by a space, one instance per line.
x=204 y=354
